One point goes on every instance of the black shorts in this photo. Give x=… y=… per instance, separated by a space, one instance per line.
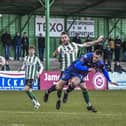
x=29 y=82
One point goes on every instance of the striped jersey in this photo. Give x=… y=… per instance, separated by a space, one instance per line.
x=68 y=54
x=32 y=66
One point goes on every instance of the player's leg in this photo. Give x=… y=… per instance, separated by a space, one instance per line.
x=58 y=103
x=86 y=98
x=67 y=91
x=51 y=89
x=73 y=82
x=59 y=94
x=47 y=92
x=28 y=90
x=58 y=86
x=64 y=79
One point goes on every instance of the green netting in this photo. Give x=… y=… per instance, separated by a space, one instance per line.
x=101 y=26
x=31 y=31
x=23 y=21
x=13 y=25
x=5 y=23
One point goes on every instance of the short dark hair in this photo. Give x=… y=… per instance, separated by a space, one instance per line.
x=64 y=33
x=99 y=52
x=25 y=32
x=31 y=47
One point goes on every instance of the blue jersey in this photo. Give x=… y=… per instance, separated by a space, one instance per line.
x=81 y=66
x=86 y=61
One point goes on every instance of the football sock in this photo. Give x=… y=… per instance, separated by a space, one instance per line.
x=53 y=88
x=34 y=97
x=31 y=95
x=86 y=97
x=59 y=93
x=69 y=89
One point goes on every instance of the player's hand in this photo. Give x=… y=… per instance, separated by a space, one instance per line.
x=92 y=70
x=38 y=75
x=100 y=38
x=114 y=83
x=55 y=53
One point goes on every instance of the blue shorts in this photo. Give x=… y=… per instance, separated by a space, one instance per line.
x=67 y=75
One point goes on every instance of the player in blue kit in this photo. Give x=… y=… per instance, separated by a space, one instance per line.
x=76 y=73
x=84 y=64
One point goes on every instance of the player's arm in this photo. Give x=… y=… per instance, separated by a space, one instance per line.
x=23 y=65
x=87 y=44
x=106 y=74
x=79 y=66
x=56 y=52
x=40 y=67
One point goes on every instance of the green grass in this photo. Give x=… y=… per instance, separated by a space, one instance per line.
x=16 y=110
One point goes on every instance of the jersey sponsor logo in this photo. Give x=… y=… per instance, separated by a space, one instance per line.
x=69 y=51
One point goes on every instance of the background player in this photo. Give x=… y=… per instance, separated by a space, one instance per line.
x=31 y=65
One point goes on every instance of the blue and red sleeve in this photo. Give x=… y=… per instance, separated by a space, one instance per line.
x=105 y=72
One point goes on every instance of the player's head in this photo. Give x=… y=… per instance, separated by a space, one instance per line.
x=17 y=33
x=31 y=50
x=64 y=38
x=25 y=34
x=97 y=55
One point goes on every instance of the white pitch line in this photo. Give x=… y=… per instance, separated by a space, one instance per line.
x=64 y=113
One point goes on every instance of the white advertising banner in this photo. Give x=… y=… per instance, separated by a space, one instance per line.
x=83 y=27
x=14 y=80
x=119 y=78
x=56 y=26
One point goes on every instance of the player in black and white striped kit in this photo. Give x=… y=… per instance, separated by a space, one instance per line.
x=68 y=53
x=31 y=65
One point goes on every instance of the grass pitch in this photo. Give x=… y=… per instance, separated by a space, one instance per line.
x=16 y=110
